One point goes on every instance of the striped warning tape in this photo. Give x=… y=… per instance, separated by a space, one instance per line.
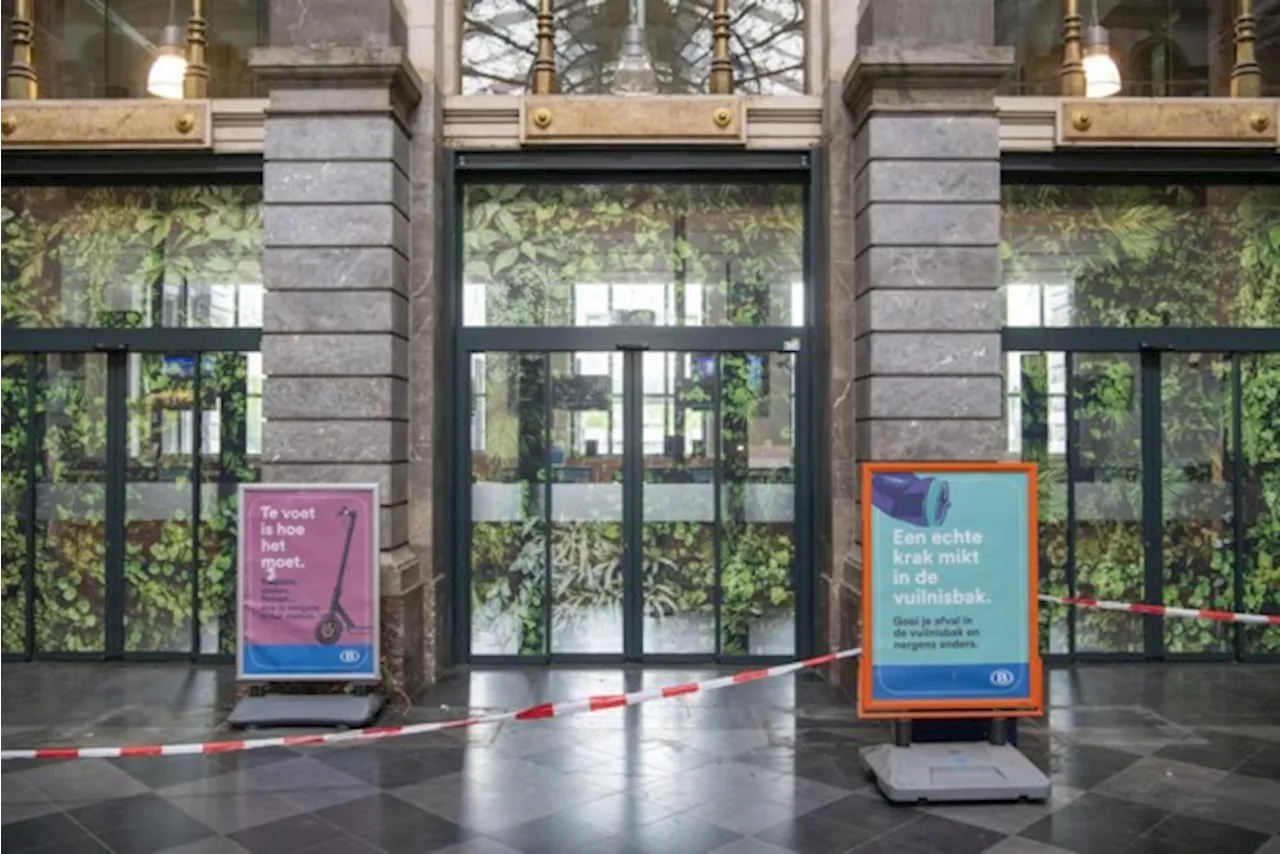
x=533 y=713
x=1165 y=610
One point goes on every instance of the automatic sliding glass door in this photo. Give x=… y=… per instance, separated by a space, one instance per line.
x=632 y=504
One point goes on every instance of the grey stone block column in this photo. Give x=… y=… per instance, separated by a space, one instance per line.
x=336 y=185
x=921 y=91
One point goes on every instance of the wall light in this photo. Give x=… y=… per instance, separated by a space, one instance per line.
x=1101 y=74
x=169 y=68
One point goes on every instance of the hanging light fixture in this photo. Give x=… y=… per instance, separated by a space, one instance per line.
x=1101 y=74
x=169 y=68
x=634 y=73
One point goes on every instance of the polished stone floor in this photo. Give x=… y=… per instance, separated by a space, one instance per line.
x=1143 y=758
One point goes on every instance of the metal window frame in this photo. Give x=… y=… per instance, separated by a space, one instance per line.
x=615 y=165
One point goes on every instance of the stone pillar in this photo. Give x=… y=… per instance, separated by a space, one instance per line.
x=926 y=196
x=336 y=185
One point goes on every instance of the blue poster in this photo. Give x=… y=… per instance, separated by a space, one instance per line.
x=950 y=565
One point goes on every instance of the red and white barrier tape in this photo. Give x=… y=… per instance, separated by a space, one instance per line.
x=533 y=713
x=1165 y=610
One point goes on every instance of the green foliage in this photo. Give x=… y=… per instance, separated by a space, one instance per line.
x=1157 y=256
x=101 y=257
x=529 y=246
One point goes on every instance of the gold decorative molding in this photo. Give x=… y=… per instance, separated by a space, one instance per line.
x=570 y=120
x=1071 y=82
x=1167 y=122
x=721 y=82
x=545 y=81
x=114 y=124
x=1246 y=74
x=20 y=76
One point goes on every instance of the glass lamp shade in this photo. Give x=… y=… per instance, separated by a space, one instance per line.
x=1101 y=74
x=164 y=80
x=634 y=73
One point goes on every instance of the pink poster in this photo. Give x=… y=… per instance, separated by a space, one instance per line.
x=308 y=582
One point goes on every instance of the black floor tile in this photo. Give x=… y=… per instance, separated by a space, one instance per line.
x=868 y=812
x=934 y=833
x=171 y=770
x=389 y=771
x=813 y=835
x=1223 y=751
x=245 y=759
x=368 y=814
x=34 y=833
x=289 y=835
x=552 y=834
x=1187 y=835
x=427 y=832
x=1264 y=763
x=680 y=834
x=139 y=824
x=1094 y=824
x=1083 y=766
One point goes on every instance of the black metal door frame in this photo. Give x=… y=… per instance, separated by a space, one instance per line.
x=1152 y=346
x=115 y=345
x=633 y=343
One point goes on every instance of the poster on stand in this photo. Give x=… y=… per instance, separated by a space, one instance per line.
x=950 y=576
x=308 y=583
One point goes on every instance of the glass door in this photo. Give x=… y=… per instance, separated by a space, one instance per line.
x=120 y=473
x=634 y=504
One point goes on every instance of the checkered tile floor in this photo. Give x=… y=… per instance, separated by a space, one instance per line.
x=1143 y=759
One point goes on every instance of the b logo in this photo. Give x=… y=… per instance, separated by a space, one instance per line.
x=349 y=656
x=1002 y=678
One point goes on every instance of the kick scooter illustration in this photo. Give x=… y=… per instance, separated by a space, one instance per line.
x=331 y=626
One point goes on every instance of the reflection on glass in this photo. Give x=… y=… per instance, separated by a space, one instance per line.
x=95 y=49
x=230 y=454
x=586 y=503
x=1036 y=410
x=633 y=255
x=1163 y=49
x=1141 y=256
x=678 y=573
x=15 y=479
x=158 y=503
x=509 y=478
x=767 y=45
x=1107 y=479
x=757 y=552
x=132 y=256
x=1196 y=473
x=1260 y=452
x=71 y=503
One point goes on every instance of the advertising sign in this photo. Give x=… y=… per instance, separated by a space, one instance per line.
x=308 y=604
x=949 y=561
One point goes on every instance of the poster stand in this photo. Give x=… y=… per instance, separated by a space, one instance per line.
x=950 y=626
x=308 y=603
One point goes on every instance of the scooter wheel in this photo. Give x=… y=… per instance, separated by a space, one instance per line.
x=328 y=631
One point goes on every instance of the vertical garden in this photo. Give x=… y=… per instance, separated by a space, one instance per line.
x=1188 y=257
x=121 y=463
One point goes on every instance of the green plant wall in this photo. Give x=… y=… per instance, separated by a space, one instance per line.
x=1139 y=256
x=125 y=256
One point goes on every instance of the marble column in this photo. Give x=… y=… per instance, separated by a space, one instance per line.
x=336 y=330
x=926 y=230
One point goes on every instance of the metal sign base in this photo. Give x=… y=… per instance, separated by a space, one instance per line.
x=282 y=710
x=954 y=771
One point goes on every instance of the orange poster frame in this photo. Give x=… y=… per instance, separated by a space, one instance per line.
x=1031 y=706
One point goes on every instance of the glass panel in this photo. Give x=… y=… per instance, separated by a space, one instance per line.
x=767 y=45
x=1196 y=475
x=1141 y=256
x=509 y=471
x=71 y=424
x=1036 y=409
x=634 y=255
x=132 y=256
x=1162 y=48
x=586 y=502
x=757 y=452
x=1107 y=480
x=1260 y=445
x=158 y=526
x=230 y=454
x=15 y=478
x=94 y=49
x=679 y=504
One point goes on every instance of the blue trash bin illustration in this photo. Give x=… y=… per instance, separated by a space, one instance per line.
x=919 y=501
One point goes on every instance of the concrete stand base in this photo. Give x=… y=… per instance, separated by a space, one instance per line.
x=954 y=771
x=277 y=710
